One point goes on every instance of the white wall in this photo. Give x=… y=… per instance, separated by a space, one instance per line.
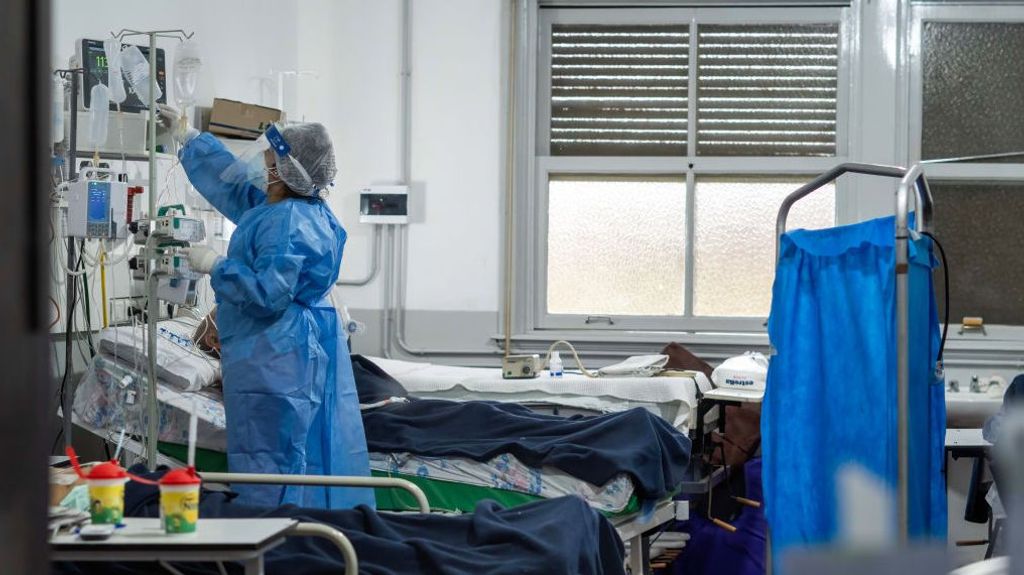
x=355 y=46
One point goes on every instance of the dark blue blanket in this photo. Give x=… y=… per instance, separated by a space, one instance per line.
x=556 y=536
x=594 y=449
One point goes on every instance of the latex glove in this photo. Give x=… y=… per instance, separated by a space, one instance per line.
x=172 y=119
x=202 y=259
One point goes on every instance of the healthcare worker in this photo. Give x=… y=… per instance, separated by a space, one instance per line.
x=289 y=392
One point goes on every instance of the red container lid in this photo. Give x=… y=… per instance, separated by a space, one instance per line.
x=181 y=476
x=108 y=470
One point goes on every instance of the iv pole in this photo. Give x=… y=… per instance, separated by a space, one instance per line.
x=67 y=397
x=152 y=305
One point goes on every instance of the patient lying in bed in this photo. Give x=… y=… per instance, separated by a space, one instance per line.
x=553 y=537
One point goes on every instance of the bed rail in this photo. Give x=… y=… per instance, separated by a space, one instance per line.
x=334 y=536
x=323 y=480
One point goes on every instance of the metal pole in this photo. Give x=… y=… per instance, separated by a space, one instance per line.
x=152 y=427
x=510 y=166
x=903 y=351
x=67 y=398
x=324 y=480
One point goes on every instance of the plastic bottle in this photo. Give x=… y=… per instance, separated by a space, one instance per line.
x=136 y=69
x=57 y=111
x=187 y=63
x=555 y=365
x=99 y=115
x=112 y=49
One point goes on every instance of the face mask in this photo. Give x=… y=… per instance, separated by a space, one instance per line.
x=262 y=177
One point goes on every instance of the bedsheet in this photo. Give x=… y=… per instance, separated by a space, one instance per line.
x=111 y=396
x=508 y=473
x=558 y=536
x=594 y=449
x=672 y=398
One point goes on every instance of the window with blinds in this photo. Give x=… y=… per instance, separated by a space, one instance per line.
x=619 y=90
x=762 y=90
x=767 y=90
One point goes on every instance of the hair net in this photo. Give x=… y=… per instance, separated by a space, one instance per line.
x=312 y=149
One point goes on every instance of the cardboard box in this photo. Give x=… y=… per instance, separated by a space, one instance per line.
x=240 y=120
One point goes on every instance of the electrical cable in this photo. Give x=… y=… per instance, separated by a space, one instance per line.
x=945 y=294
x=87 y=301
x=576 y=356
x=56 y=307
x=69 y=319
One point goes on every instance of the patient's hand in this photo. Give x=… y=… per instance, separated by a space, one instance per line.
x=206 y=337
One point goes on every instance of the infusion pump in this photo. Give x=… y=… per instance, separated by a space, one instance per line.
x=98 y=205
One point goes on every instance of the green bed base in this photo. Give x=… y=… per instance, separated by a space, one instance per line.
x=206 y=459
x=446 y=496
x=450 y=496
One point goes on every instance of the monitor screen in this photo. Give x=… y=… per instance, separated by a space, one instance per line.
x=94 y=62
x=99 y=202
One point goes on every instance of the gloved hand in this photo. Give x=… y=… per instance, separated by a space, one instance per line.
x=172 y=119
x=202 y=259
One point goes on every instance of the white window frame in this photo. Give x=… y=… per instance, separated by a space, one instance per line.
x=952 y=172
x=531 y=207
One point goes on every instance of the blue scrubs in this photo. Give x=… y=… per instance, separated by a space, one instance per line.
x=289 y=391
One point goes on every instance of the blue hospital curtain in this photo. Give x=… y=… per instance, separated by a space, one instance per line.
x=831 y=391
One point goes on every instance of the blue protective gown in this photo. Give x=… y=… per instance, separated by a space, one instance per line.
x=289 y=392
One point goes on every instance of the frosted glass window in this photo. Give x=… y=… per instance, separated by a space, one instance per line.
x=973 y=89
x=734 y=240
x=979 y=226
x=616 y=246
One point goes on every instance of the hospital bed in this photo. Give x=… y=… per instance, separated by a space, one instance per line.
x=674 y=399
x=452 y=484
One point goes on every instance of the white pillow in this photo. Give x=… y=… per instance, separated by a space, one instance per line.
x=179 y=362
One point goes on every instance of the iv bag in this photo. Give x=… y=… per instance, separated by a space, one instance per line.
x=57 y=111
x=187 y=63
x=99 y=115
x=136 y=68
x=112 y=48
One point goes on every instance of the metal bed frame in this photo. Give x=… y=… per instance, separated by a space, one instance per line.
x=317 y=529
x=922 y=223
x=633 y=529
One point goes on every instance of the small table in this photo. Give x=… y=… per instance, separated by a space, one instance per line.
x=142 y=539
x=966 y=440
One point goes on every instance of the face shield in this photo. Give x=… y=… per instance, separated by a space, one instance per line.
x=270 y=153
